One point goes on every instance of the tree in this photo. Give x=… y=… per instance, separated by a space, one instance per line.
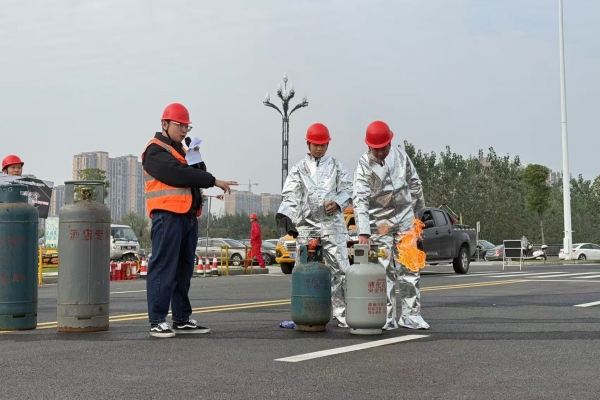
x=140 y=226
x=584 y=211
x=91 y=174
x=535 y=177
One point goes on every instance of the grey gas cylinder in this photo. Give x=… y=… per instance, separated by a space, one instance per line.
x=366 y=299
x=84 y=260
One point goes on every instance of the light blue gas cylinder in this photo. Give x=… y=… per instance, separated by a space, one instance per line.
x=311 y=291
x=18 y=259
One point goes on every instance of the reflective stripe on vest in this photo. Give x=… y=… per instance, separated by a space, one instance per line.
x=167 y=192
x=160 y=196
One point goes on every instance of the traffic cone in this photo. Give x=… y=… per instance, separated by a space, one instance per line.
x=144 y=268
x=200 y=267
x=215 y=269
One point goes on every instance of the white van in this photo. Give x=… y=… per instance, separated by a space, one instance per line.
x=124 y=244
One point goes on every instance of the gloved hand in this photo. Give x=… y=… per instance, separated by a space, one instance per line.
x=285 y=225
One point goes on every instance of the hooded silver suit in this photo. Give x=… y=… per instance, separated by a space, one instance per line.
x=387 y=195
x=310 y=184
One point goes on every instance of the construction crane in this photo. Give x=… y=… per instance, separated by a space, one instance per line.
x=250 y=184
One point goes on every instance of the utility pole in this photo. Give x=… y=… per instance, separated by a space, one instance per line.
x=568 y=238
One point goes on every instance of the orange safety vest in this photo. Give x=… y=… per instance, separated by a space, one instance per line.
x=160 y=196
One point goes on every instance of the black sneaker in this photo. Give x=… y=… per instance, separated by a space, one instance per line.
x=162 y=330
x=191 y=326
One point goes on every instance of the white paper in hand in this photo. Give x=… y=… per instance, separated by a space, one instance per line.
x=193 y=155
x=195 y=142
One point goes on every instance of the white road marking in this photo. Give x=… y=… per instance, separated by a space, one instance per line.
x=595 y=303
x=347 y=349
x=486 y=274
x=536 y=273
x=565 y=275
x=130 y=291
x=587 y=277
x=557 y=280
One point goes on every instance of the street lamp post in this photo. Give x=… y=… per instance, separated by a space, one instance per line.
x=220 y=197
x=568 y=238
x=285 y=97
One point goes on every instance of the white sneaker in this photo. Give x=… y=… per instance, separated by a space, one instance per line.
x=162 y=330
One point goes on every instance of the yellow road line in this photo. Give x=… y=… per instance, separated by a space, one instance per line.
x=203 y=308
x=141 y=316
x=281 y=303
x=271 y=303
x=470 y=285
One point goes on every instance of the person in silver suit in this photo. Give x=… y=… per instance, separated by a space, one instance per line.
x=387 y=197
x=315 y=194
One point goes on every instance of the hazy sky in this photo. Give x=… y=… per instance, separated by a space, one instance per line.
x=95 y=75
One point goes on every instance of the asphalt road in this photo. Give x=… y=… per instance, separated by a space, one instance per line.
x=494 y=335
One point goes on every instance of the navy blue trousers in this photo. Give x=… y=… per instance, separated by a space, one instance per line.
x=171 y=266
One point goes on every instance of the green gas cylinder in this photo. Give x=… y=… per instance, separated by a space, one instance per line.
x=18 y=259
x=311 y=291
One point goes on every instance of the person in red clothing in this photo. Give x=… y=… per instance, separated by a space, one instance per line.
x=256 y=240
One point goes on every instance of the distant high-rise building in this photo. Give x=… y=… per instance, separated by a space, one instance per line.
x=205 y=207
x=247 y=203
x=94 y=159
x=57 y=201
x=270 y=203
x=555 y=177
x=126 y=191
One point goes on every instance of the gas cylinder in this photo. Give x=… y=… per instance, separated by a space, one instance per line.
x=366 y=299
x=84 y=248
x=311 y=291
x=18 y=259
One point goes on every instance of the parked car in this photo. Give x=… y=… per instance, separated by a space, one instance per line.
x=483 y=246
x=495 y=254
x=285 y=253
x=582 y=251
x=267 y=250
x=272 y=241
x=285 y=250
x=216 y=247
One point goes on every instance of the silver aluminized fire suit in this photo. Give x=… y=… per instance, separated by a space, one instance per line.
x=310 y=184
x=386 y=198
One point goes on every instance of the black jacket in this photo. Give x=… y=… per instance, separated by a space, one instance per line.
x=164 y=167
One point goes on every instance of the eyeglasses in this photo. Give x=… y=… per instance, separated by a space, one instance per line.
x=183 y=127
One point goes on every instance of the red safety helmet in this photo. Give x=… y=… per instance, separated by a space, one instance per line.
x=253 y=216
x=318 y=134
x=378 y=135
x=11 y=160
x=176 y=112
